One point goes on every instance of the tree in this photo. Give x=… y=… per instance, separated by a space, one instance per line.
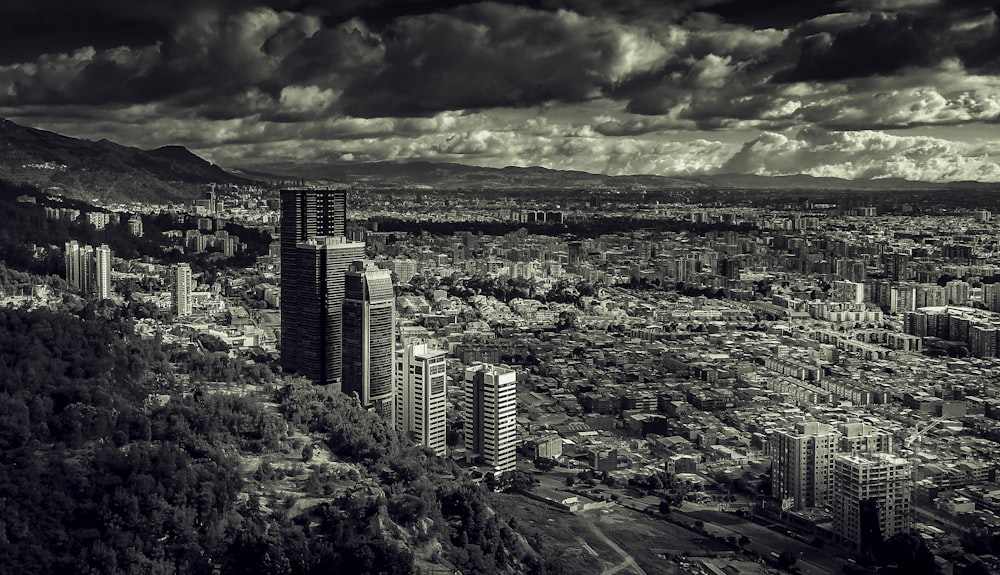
x=545 y=463
x=906 y=553
x=787 y=559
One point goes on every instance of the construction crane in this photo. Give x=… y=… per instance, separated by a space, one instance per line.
x=920 y=432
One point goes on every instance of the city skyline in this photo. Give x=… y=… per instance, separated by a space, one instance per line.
x=855 y=89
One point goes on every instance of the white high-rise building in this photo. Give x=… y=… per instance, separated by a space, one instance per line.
x=802 y=463
x=422 y=396
x=102 y=272
x=490 y=406
x=182 y=290
x=872 y=499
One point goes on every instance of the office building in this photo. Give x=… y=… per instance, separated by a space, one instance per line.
x=307 y=214
x=312 y=302
x=490 y=406
x=421 y=396
x=182 y=290
x=102 y=272
x=872 y=499
x=802 y=460
x=312 y=281
x=368 y=336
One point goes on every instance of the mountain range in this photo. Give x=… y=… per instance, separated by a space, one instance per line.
x=104 y=170
x=109 y=172
x=440 y=175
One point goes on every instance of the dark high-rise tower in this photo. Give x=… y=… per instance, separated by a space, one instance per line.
x=311 y=213
x=312 y=301
x=314 y=257
x=369 y=302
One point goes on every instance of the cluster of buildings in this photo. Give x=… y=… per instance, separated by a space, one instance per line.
x=88 y=269
x=338 y=329
x=784 y=344
x=849 y=471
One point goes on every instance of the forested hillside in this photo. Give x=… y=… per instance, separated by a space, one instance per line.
x=122 y=455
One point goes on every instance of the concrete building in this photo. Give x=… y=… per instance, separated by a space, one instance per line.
x=490 y=406
x=802 y=460
x=74 y=270
x=857 y=437
x=102 y=272
x=872 y=499
x=848 y=291
x=368 y=336
x=421 y=396
x=135 y=225
x=182 y=290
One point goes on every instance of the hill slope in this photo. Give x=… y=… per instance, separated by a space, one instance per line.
x=104 y=170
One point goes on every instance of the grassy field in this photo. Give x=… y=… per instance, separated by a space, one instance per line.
x=608 y=540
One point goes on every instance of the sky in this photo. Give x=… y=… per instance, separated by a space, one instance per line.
x=855 y=89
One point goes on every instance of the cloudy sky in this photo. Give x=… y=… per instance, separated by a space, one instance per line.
x=847 y=88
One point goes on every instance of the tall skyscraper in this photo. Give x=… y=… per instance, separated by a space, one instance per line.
x=87 y=269
x=421 y=396
x=102 y=271
x=306 y=216
x=368 y=336
x=74 y=271
x=801 y=463
x=491 y=415
x=182 y=290
x=312 y=301
x=872 y=499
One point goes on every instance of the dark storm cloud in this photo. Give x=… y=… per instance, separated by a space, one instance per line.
x=492 y=55
x=920 y=36
x=773 y=13
x=885 y=44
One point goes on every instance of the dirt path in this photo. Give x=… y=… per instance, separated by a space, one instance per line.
x=628 y=562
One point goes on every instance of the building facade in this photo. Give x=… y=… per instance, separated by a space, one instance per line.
x=102 y=271
x=314 y=257
x=802 y=460
x=421 y=396
x=312 y=304
x=490 y=410
x=872 y=499
x=182 y=290
x=368 y=337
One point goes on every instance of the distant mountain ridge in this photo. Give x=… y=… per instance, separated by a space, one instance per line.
x=85 y=169
x=109 y=172
x=442 y=175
